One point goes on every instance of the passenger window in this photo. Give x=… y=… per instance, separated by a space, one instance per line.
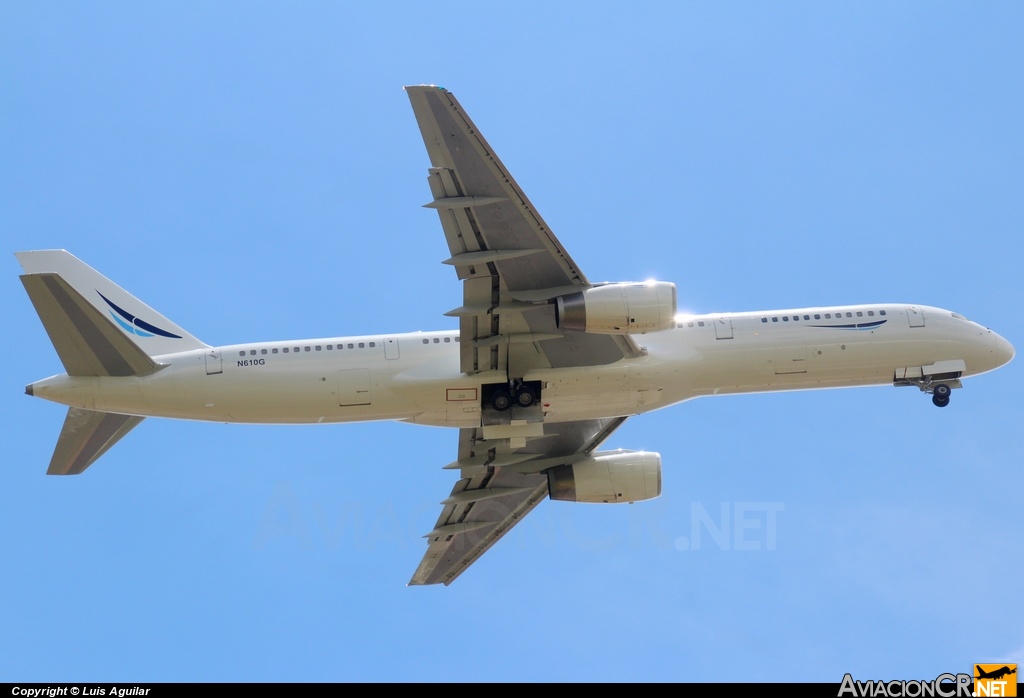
x=849 y=314
x=807 y=317
x=689 y=324
x=701 y=323
x=817 y=316
x=241 y=353
x=273 y=351
x=764 y=319
x=285 y=350
x=362 y=346
x=329 y=347
x=306 y=348
x=426 y=341
x=447 y=340
x=373 y=344
x=871 y=313
x=252 y=352
x=881 y=312
x=436 y=340
x=860 y=314
x=775 y=318
x=828 y=316
x=263 y=351
x=350 y=345
x=317 y=347
x=785 y=318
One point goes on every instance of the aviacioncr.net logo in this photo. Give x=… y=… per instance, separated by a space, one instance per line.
x=943 y=686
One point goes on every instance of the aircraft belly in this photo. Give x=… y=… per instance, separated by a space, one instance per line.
x=254 y=396
x=298 y=397
x=589 y=393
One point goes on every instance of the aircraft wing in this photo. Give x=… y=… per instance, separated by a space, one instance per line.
x=508 y=259
x=497 y=490
x=510 y=265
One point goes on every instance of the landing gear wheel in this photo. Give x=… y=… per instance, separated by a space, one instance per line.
x=940 y=400
x=524 y=397
x=942 y=391
x=501 y=400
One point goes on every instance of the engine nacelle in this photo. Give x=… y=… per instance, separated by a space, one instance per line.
x=607 y=478
x=623 y=308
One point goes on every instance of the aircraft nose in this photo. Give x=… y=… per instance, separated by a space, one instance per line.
x=1002 y=351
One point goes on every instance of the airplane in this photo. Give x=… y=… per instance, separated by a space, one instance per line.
x=995 y=674
x=544 y=367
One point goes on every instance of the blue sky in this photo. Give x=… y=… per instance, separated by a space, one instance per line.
x=254 y=171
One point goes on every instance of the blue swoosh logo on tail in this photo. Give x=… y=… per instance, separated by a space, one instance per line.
x=134 y=325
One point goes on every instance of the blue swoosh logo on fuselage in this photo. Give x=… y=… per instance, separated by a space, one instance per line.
x=856 y=326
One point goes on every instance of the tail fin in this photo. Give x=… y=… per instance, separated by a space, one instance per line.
x=86 y=436
x=97 y=328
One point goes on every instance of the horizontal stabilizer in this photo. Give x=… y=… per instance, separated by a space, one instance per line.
x=87 y=342
x=86 y=436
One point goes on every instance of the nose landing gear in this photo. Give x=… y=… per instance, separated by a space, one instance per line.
x=939 y=386
x=940 y=395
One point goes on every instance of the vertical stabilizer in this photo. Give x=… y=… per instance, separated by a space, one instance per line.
x=147 y=329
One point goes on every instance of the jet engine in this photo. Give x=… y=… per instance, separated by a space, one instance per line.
x=607 y=478
x=621 y=308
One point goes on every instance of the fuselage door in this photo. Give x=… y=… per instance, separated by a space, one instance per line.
x=390 y=348
x=915 y=316
x=723 y=328
x=214 y=364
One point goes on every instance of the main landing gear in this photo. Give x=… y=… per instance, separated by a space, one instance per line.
x=518 y=394
x=940 y=394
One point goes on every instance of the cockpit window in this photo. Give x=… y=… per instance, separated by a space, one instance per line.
x=958 y=316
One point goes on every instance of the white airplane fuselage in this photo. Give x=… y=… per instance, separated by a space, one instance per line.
x=544 y=367
x=415 y=377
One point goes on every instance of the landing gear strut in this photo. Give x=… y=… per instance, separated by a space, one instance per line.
x=939 y=386
x=940 y=395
